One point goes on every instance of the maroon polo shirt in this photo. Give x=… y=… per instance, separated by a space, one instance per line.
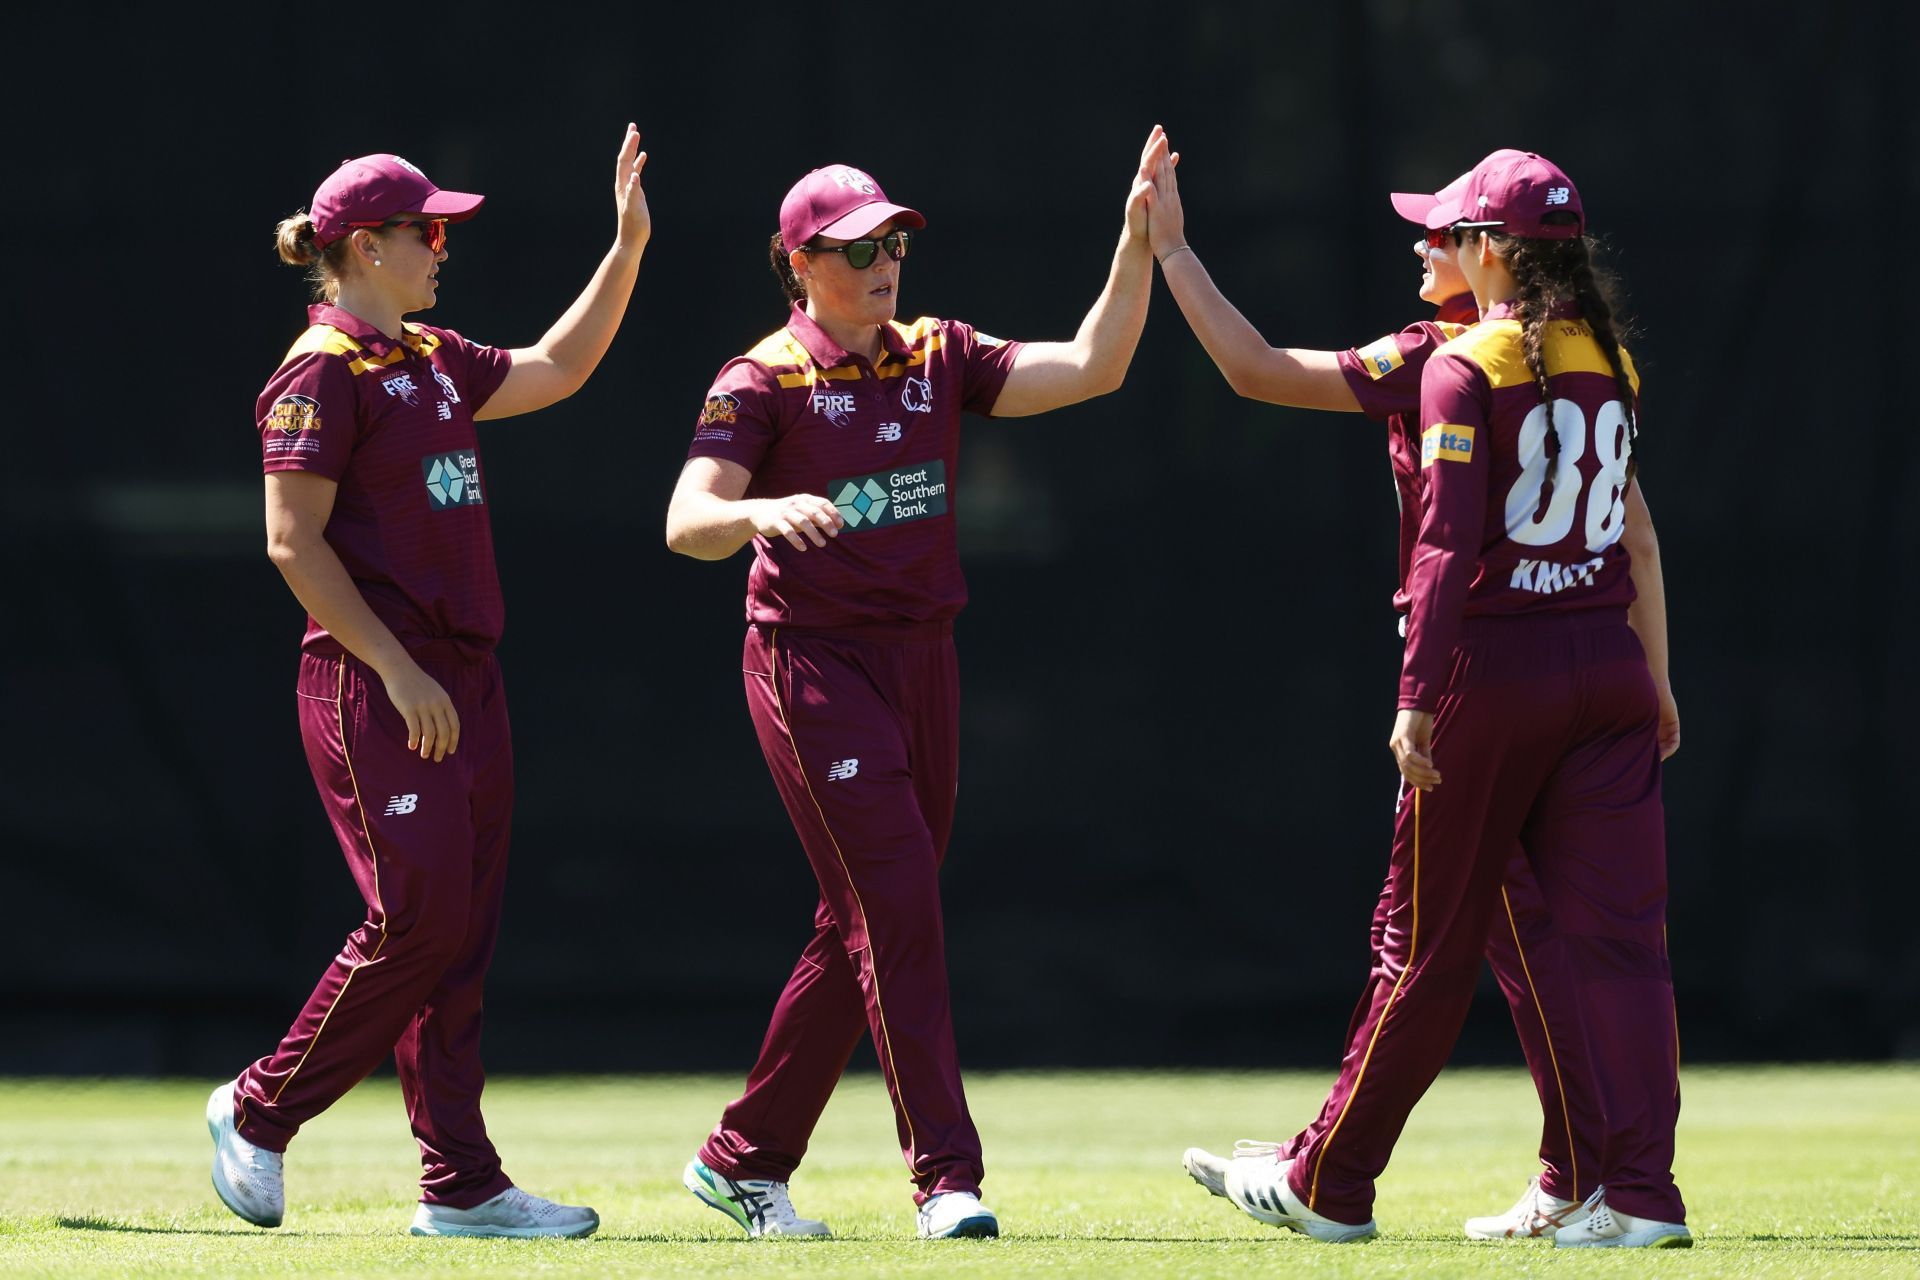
x=882 y=443
x=1493 y=539
x=392 y=424
x=1385 y=378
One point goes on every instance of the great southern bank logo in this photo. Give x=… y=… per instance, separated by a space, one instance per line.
x=913 y=492
x=866 y=502
x=453 y=479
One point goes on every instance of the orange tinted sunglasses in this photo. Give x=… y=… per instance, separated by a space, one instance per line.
x=432 y=230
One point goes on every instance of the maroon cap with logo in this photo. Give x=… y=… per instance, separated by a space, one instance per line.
x=839 y=201
x=1515 y=190
x=375 y=188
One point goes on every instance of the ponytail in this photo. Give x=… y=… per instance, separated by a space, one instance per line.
x=790 y=284
x=294 y=239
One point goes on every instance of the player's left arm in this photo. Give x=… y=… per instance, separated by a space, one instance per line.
x=1648 y=613
x=1049 y=375
x=559 y=364
x=1454 y=438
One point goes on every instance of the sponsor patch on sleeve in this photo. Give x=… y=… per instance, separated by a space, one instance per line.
x=1445 y=442
x=290 y=415
x=1382 y=357
x=988 y=340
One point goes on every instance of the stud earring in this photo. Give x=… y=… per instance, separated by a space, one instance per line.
x=376 y=262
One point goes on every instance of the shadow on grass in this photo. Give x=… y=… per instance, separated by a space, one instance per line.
x=108 y=1224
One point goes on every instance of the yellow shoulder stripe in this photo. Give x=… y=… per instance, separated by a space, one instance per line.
x=322 y=338
x=327 y=340
x=1495 y=346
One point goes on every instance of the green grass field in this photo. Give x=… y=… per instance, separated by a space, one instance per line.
x=1787 y=1171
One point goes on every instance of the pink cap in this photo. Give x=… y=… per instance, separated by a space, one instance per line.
x=375 y=188
x=1515 y=190
x=1415 y=207
x=839 y=201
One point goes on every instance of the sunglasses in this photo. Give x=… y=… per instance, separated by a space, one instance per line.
x=1441 y=237
x=432 y=230
x=861 y=253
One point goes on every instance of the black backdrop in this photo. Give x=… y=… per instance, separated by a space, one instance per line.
x=1179 y=660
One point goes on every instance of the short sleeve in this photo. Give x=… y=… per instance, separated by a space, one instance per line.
x=985 y=363
x=1384 y=375
x=740 y=417
x=478 y=371
x=308 y=416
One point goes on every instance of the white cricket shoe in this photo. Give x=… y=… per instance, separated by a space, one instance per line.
x=957 y=1215
x=248 y=1179
x=1210 y=1170
x=1260 y=1188
x=512 y=1213
x=760 y=1205
x=1611 y=1229
x=1535 y=1216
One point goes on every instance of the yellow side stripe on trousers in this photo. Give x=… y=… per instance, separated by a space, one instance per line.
x=899 y=1086
x=340 y=719
x=1413 y=950
x=1573 y=1153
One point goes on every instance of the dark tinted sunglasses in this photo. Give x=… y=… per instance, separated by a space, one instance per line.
x=861 y=253
x=432 y=230
x=1445 y=235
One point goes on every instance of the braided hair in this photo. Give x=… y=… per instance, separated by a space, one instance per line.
x=1548 y=272
x=790 y=284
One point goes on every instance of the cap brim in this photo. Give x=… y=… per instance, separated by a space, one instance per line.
x=454 y=206
x=1413 y=206
x=867 y=217
x=1444 y=213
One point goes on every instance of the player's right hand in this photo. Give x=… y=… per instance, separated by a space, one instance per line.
x=1669 y=721
x=1167 y=225
x=1412 y=746
x=802 y=518
x=433 y=726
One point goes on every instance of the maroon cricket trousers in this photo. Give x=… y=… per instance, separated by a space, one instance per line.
x=1529 y=962
x=861 y=732
x=1546 y=736
x=427 y=846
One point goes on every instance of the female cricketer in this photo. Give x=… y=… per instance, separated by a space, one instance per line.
x=833 y=447
x=1524 y=679
x=376 y=512
x=1382 y=380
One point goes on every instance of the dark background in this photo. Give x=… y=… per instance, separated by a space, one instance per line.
x=1180 y=659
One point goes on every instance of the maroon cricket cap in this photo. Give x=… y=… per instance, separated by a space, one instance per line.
x=375 y=188
x=839 y=201
x=1414 y=206
x=1516 y=190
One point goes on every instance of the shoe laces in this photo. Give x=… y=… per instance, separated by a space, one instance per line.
x=775 y=1204
x=1599 y=1218
x=1254 y=1149
x=537 y=1207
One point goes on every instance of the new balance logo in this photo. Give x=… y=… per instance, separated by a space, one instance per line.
x=841 y=770
x=888 y=433
x=1557 y=195
x=402 y=804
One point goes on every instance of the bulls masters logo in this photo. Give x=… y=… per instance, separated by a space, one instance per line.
x=453 y=479
x=912 y=492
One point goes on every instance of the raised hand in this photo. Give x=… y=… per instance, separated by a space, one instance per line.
x=636 y=222
x=1167 y=229
x=1140 y=195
